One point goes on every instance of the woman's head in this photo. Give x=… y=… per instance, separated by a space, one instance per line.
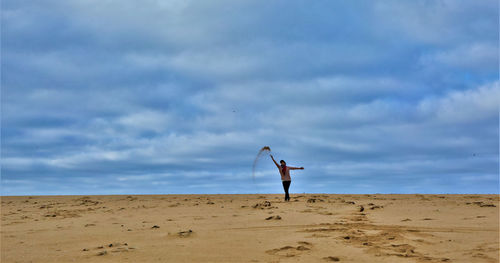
x=282 y=163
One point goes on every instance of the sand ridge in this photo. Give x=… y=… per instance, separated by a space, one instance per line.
x=250 y=228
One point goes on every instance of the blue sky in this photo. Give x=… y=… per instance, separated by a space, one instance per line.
x=159 y=97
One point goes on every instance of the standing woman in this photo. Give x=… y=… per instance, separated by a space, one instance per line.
x=285 y=175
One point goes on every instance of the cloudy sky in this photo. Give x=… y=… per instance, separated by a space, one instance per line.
x=178 y=96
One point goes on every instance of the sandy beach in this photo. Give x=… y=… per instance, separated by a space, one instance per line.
x=250 y=228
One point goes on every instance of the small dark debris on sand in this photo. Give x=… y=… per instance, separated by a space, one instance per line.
x=265 y=204
x=117 y=244
x=185 y=233
x=274 y=217
x=330 y=258
x=481 y=204
x=314 y=200
x=88 y=202
x=361 y=209
x=155 y=226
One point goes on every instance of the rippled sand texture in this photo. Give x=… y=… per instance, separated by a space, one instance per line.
x=250 y=228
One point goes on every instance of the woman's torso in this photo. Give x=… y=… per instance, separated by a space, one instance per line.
x=286 y=175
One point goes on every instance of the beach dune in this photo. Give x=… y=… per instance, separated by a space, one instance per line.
x=250 y=228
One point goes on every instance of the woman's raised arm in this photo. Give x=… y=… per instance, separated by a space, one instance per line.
x=277 y=165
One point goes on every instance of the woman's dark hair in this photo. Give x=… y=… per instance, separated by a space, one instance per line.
x=282 y=161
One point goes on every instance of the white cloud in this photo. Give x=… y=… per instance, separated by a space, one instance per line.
x=476 y=57
x=471 y=105
x=147 y=120
x=437 y=23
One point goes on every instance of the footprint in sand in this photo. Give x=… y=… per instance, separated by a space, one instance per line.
x=318 y=235
x=114 y=247
x=325 y=213
x=131 y=198
x=186 y=233
x=264 y=205
x=291 y=251
x=381 y=243
x=330 y=258
x=376 y=206
x=315 y=200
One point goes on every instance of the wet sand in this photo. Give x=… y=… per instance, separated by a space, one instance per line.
x=250 y=228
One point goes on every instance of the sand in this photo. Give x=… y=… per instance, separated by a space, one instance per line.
x=250 y=228
x=263 y=152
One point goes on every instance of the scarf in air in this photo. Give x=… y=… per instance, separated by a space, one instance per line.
x=284 y=169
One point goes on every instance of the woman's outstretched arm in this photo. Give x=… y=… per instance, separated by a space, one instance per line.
x=277 y=165
x=295 y=168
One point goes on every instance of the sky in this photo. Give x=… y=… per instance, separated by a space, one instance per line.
x=178 y=96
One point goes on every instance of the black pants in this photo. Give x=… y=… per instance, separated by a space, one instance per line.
x=286 y=185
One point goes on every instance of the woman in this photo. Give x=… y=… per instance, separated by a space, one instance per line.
x=285 y=175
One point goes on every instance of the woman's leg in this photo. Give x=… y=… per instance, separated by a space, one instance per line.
x=286 y=186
